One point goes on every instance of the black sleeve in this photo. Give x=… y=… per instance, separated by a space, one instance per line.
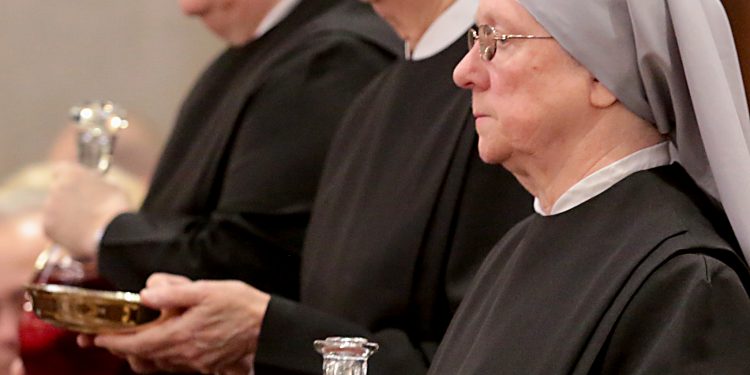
x=692 y=316
x=269 y=182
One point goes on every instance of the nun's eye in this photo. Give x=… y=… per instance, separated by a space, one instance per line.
x=488 y=39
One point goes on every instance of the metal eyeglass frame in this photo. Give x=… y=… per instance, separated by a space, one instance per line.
x=487 y=50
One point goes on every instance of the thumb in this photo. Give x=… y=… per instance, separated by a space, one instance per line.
x=172 y=296
x=162 y=279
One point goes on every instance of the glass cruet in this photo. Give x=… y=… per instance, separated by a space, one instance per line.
x=97 y=123
x=345 y=355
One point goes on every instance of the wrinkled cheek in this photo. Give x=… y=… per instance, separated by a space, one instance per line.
x=519 y=126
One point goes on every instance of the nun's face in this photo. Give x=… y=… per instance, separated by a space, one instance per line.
x=527 y=98
x=235 y=21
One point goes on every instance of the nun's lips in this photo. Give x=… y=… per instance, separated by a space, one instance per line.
x=478 y=116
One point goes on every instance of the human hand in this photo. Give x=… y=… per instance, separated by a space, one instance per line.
x=155 y=280
x=145 y=366
x=79 y=206
x=216 y=334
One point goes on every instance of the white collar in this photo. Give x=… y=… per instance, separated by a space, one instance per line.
x=601 y=180
x=453 y=22
x=277 y=13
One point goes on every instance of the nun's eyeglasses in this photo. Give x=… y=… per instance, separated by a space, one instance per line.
x=488 y=38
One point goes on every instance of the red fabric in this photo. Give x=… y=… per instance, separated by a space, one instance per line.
x=48 y=350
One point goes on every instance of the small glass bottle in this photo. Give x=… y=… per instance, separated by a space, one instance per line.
x=97 y=124
x=345 y=355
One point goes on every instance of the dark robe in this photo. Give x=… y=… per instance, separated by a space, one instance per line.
x=641 y=279
x=232 y=194
x=405 y=213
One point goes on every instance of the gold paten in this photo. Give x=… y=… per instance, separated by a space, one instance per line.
x=89 y=311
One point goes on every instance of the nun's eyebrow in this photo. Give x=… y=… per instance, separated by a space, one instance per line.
x=497 y=21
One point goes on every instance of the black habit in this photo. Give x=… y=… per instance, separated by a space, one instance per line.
x=405 y=214
x=232 y=194
x=641 y=279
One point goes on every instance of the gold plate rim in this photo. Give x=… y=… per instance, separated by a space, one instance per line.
x=85 y=292
x=89 y=311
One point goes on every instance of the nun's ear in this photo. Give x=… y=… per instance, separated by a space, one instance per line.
x=600 y=96
x=738 y=12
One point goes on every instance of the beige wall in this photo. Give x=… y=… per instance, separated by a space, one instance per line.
x=143 y=54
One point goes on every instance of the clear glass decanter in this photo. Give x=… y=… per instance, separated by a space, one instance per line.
x=97 y=124
x=345 y=355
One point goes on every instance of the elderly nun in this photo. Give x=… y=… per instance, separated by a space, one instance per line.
x=628 y=122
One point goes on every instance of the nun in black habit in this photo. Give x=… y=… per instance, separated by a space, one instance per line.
x=627 y=120
x=232 y=194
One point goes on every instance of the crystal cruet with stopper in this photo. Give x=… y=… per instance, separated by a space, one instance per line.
x=345 y=355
